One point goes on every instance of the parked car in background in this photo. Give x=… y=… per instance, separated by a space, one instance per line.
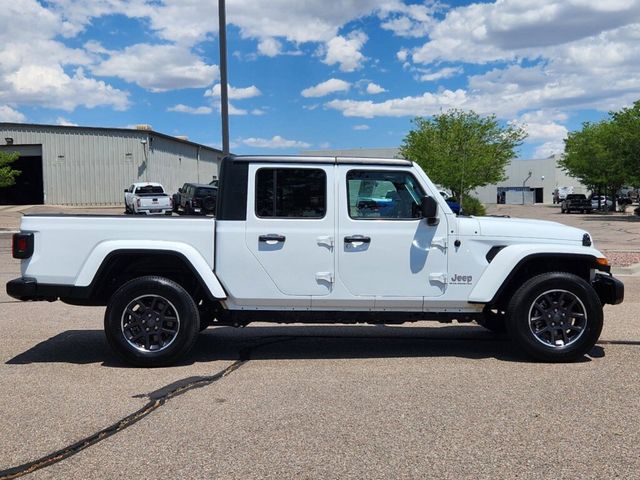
x=196 y=199
x=559 y=194
x=147 y=199
x=576 y=202
x=601 y=202
x=453 y=205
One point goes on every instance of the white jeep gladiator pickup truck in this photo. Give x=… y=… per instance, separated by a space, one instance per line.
x=319 y=239
x=147 y=199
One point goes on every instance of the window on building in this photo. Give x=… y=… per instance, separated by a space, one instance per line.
x=383 y=195
x=291 y=193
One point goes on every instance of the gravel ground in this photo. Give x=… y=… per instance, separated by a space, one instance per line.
x=622 y=259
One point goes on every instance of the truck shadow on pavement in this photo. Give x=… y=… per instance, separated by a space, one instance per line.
x=297 y=343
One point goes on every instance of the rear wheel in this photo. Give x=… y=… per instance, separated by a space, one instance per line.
x=151 y=322
x=555 y=317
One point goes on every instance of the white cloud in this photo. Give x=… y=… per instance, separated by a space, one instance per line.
x=546 y=131
x=510 y=29
x=50 y=86
x=275 y=142
x=427 y=104
x=234 y=93
x=8 y=114
x=332 y=85
x=374 y=88
x=191 y=110
x=548 y=148
x=345 y=51
x=402 y=55
x=158 y=67
x=413 y=21
x=269 y=47
x=38 y=69
x=361 y=127
x=64 y=122
x=447 y=72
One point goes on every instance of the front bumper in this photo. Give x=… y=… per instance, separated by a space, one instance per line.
x=609 y=289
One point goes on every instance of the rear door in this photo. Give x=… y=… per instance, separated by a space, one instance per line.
x=291 y=224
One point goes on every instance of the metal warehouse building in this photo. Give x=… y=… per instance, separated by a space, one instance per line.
x=64 y=165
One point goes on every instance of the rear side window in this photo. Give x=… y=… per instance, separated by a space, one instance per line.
x=150 y=189
x=206 y=192
x=291 y=193
x=383 y=195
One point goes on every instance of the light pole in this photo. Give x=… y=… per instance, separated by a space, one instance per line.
x=523 y=184
x=224 y=100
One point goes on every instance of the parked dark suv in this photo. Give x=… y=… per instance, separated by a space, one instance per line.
x=196 y=199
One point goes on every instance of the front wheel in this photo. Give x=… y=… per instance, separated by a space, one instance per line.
x=151 y=322
x=555 y=317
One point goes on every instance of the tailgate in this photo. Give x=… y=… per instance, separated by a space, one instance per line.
x=154 y=201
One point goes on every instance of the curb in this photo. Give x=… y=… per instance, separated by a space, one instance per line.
x=632 y=270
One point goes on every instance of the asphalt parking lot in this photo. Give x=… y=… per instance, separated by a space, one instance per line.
x=416 y=401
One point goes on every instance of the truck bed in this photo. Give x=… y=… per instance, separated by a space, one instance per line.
x=65 y=245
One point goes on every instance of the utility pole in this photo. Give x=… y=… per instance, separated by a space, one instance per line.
x=224 y=99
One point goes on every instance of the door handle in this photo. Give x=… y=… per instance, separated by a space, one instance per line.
x=357 y=239
x=272 y=237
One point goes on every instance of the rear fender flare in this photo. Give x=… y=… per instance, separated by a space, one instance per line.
x=189 y=254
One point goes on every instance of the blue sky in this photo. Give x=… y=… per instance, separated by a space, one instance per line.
x=318 y=74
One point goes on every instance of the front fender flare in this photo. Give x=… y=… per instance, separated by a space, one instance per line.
x=511 y=257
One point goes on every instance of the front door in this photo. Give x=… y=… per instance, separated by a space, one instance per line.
x=290 y=226
x=385 y=249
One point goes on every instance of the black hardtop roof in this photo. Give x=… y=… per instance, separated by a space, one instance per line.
x=318 y=159
x=204 y=185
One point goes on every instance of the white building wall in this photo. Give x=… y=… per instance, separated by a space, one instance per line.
x=92 y=166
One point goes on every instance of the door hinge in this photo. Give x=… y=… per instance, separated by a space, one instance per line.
x=438 y=277
x=440 y=242
x=326 y=240
x=324 y=277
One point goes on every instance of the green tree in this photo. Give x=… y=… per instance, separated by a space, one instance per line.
x=462 y=150
x=7 y=174
x=599 y=155
x=626 y=141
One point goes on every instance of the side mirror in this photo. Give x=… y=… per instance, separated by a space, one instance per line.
x=180 y=190
x=126 y=190
x=429 y=208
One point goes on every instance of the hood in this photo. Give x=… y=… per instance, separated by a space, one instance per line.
x=525 y=228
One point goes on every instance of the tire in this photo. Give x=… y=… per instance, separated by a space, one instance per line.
x=208 y=204
x=493 y=321
x=161 y=307
x=545 y=302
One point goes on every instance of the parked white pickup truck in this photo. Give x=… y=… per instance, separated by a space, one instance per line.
x=147 y=199
x=319 y=239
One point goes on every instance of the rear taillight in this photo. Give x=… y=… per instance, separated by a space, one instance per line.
x=22 y=245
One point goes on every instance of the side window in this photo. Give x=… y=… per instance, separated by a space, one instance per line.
x=291 y=193
x=374 y=194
